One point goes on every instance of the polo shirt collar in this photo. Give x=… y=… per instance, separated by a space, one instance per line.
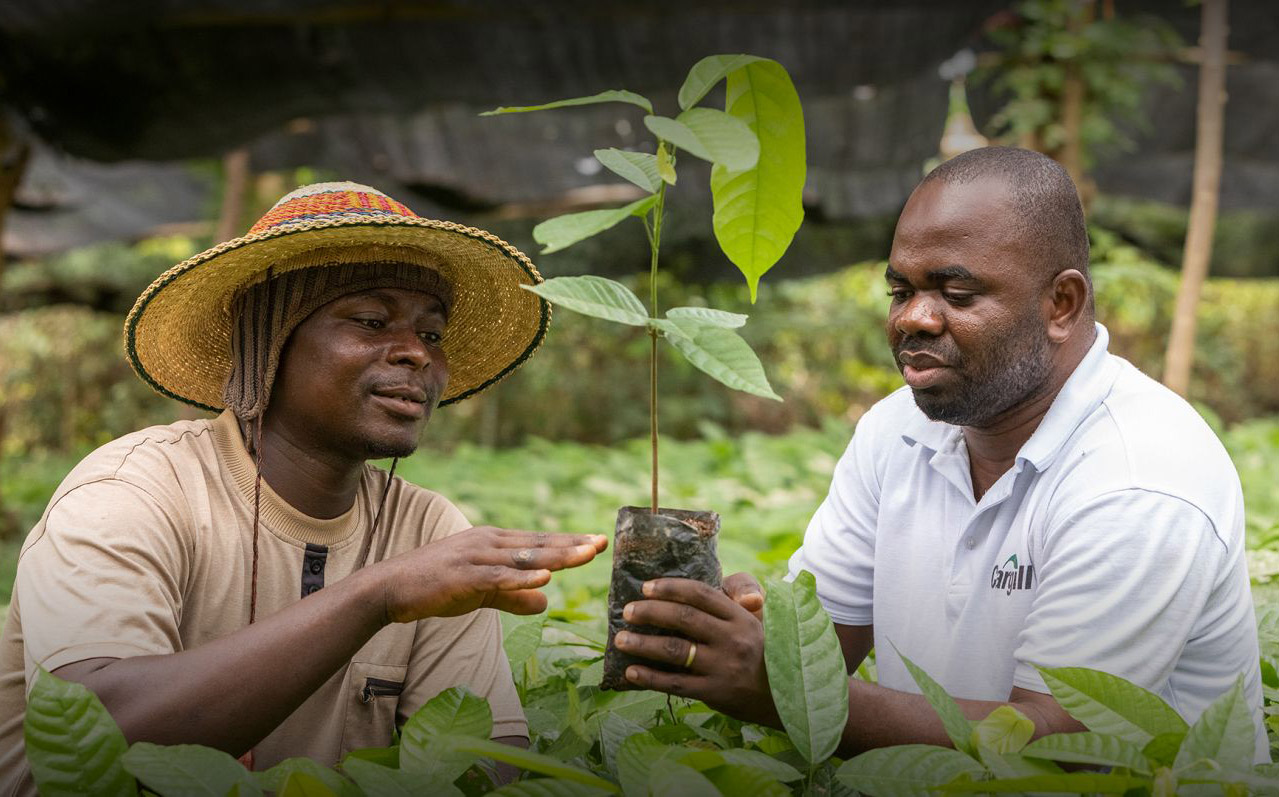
x=1083 y=391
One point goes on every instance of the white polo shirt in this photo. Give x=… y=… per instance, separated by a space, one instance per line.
x=1115 y=541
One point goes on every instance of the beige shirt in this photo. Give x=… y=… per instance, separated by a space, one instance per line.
x=146 y=548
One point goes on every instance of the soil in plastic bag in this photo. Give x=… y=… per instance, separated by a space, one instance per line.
x=676 y=543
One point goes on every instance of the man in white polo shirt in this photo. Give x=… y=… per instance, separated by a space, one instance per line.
x=1028 y=499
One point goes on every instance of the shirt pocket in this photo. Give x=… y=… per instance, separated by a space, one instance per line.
x=372 y=695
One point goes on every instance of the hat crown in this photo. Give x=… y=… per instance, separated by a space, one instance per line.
x=328 y=202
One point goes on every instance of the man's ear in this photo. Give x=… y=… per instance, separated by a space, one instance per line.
x=1068 y=303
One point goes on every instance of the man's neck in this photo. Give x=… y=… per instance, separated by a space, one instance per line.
x=314 y=482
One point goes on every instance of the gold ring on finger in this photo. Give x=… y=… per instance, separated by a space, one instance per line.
x=692 y=654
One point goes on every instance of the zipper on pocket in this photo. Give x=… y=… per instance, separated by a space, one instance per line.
x=379 y=687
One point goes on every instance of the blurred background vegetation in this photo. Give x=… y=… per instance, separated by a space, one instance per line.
x=128 y=143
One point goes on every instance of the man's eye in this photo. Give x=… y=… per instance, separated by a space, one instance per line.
x=958 y=298
x=371 y=323
x=899 y=294
x=433 y=338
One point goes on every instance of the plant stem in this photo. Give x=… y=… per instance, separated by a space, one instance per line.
x=654 y=241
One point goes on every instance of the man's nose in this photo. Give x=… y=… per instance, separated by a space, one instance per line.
x=919 y=315
x=407 y=348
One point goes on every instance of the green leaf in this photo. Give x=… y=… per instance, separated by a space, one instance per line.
x=301 y=784
x=635 y=759
x=706 y=73
x=1066 y=782
x=562 y=232
x=613 y=95
x=597 y=297
x=908 y=770
x=667 y=777
x=525 y=759
x=1224 y=733
x=707 y=316
x=758 y=210
x=384 y=782
x=522 y=640
x=573 y=716
x=1014 y=765
x=957 y=726
x=737 y=779
x=805 y=665
x=72 y=743
x=1004 y=730
x=614 y=730
x=711 y=135
x=639 y=168
x=665 y=164
x=724 y=355
x=382 y=756
x=1111 y=705
x=1162 y=750
x=273 y=779
x=757 y=760
x=1097 y=749
x=187 y=770
x=547 y=787
x=455 y=711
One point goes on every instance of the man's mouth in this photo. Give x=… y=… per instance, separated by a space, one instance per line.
x=406 y=400
x=921 y=370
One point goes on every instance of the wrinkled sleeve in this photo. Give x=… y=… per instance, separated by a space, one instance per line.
x=839 y=544
x=1121 y=579
x=463 y=651
x=104 y=579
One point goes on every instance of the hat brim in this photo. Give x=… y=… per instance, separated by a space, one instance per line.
x=178 y=334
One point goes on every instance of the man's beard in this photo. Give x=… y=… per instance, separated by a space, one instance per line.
x=995 y=380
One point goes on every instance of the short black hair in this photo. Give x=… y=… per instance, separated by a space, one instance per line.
x=1049 y=216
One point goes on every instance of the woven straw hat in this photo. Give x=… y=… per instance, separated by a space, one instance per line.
x=178 y=334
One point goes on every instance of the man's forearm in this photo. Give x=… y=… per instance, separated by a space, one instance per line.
x=881 y=717
x=231 y=692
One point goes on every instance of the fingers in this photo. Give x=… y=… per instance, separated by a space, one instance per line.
x=519 y=601
x=549 y=558
x=693 y=593
x=681 y=684
x=681 y=618
x=516 y=538
x=666 y=649
x=745 y=590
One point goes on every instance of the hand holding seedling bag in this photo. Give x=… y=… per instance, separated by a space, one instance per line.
x=756 y=148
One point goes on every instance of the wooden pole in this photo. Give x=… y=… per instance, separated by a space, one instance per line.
x=235 y=182
x=1203 y=204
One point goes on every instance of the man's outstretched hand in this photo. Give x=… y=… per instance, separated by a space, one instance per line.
x=481 y=567
x=727 y=672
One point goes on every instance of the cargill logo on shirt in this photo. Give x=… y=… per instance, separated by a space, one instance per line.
x=1010 y=576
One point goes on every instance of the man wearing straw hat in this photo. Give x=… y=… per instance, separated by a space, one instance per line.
x=249 y=582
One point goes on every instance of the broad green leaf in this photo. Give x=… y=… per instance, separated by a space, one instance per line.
x=187 y=770
x=591 y=674
x=72 y=743
x=1111 y=705
x=1224 y=733
x=711 y=135
x=707 y=316
x=957 y=726
x=665 y=164
x=706 y=73
x=522 y=641
x=908 y=770
x=1014 y=765
x=455 y=711
x=614 y=730
x=667 y=777
x=758 y=210
x=273 y=779
x=524 y=759
x=382 y=756
x=638 y=167
x=613 y=95
x=724 y=355
x=1004 y=730
x=598 y=297
x=562 y=232
x=757 y=760
x=1064 y=783
x=1162 y=750
x=384 y=782
x=547 y=787
x=635 y=759
x=573 y=716
x=738 y=779
x=301 y=784
x=805 y=665
x=1097 y=749
x=569 y=745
